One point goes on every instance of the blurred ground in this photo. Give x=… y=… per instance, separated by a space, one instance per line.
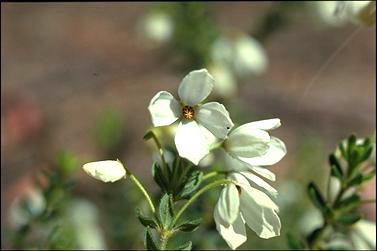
x=62 y=64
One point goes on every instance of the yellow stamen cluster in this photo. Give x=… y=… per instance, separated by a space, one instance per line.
x=188 y=112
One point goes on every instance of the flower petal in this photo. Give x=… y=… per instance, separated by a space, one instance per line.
x=195 y=87
x=267 y=124
x=215 y=118
x=191 y=142
x=164 y=109
x=228 y=204
x=276 y=151
x=247 y=142
x=105 y=170
x=259 y=183
x=234 y=234
x=258 y=210
x=264 y=172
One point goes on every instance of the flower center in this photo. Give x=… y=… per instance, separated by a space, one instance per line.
x=188 y=112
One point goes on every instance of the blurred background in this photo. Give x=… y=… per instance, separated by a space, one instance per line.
x=77 y=79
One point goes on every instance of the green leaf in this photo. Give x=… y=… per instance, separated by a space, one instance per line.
x=149 y=241
x=356 y=180
x=336 y=169
x=349 y=202
x=343 y=150
x=192 y=183
x=316 y=197
x=366 y=154
x=349 y=219
x=159 y=177
x=369 y=175
x=294 y=242
x=188 y=225
x=146 y=221
x=185 y=246
x=148 y=135
x=166 y=210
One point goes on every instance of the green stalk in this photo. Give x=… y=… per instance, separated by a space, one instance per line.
x=138 y=184
x=197 y=194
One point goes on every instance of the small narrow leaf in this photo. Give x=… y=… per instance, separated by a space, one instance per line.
x=146 y=221
x=185 y=246
x=366 y=154
x=166 y=210
x=159 y=177
x=356 y=180
x=294 y=242
x=188 y=225
x=193 y=181
x=149 y=241
x=349 y=202
x=316 y=197
x=343 y=150
x=148 y=135
x=349 y=219
x=336 y=169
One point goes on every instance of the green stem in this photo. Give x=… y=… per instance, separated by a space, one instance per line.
x=161 y=151
x=197 y=194
x=138 y=184
x=214 y=173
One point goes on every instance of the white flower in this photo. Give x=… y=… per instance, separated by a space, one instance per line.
x=337 y=13
x=242 y=53
x=252 y=144
x=158 y=27
x=83 y=216
x=105 y=170
x=225 y=82
x=242 y=204
x=363 y=235
x=199 y=124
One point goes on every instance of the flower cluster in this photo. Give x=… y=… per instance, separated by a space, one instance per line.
x=247 y=148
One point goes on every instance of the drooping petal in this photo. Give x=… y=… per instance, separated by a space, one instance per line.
x=215 y=118
x=105 y=170
x=259 y=183
x=195 y=87
x=258 y=210
x=228 y=204
x=276 y=151
x=191 y=142
x=164 y=109
x=247 y=142
x=267 y=124
x=264 y=172
x=234 y=234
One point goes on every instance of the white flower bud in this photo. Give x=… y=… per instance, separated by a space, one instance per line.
x=106 y=170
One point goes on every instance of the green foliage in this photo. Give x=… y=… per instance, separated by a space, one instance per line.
x=149 y=241
x=351 y=166
x=146 y=221
x=166 y=211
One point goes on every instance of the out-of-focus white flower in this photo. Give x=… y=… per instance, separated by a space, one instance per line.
x=361 y=12
x=338 y=13
x=363 y=235
x=207 y=160
x=244 y=54
x=158 y=27
x=252 y=144
x=310 y=220
x=199 y=124
x=84 y=217
x=329 y=12
x=105 y=170
x=225 y=82
x=242 y=204
x=35 y=203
